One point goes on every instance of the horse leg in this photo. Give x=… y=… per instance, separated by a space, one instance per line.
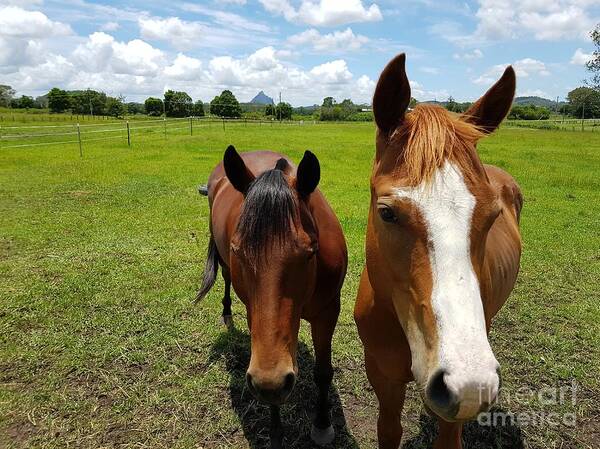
x=449 y=435
x=322 y=431
x=276 y=431
x=390 y=394
x=227 y=314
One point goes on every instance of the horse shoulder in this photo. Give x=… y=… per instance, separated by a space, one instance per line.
x=332 y=257
x=224 y=215
x=333 y=253
x=503 y=246
x=381 y=333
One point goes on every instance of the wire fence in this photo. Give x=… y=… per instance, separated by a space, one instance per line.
x=556 y=124
x=128 y=131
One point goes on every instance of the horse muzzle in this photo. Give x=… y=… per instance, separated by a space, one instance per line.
x=273 y=389
x=457 y=398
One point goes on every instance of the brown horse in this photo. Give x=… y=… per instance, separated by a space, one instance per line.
x=281 y=246
x=442 y=256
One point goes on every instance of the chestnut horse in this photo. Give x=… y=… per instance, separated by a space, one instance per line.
x=442 y=256
x=281 y=246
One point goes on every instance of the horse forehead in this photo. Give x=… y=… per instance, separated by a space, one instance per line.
x=444 y=200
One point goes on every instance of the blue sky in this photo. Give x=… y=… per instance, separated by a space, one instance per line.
x=305 y=49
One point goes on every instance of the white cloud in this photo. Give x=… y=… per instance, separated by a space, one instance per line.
x=545 y=20
x=234 y=2
x=264 y=70
x=524 y=68
x=179 y=32
x=336 y=41
x=184 y=68
x=110 y=26
x=18 y=22
x=580 y=57
x=523 y=19
x=23 y=37
x=102 y=52
x=529 y=67
x=184 y=35
x=324 y=12
x=469 y=55
x=334 y=72
x=364 y=88
x=421 y=94
x=227 y=19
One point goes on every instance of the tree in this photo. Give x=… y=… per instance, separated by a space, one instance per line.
x=328 y=102
x=226 y=105
x=6 y=95
x=115 y=107
x=593 y=65
x=134 y=108
x=58 y=100
x=178 y=104
x=153 y=106
x=198 y=109
x=584 y=102
x=529 y=112
x=413 y=102
x=41 y=101
x=451 y=104
x=88 y=102
x=334 y=113
x=269 y=110
x=283 y=111
x=24 y=102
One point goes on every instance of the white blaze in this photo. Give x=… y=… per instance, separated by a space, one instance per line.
x=447 y=205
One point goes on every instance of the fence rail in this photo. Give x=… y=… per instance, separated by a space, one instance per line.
x=130 y=130
x=40 y=135
x=564 y=124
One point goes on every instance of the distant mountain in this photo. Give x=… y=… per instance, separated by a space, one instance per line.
x=537 y=101
x=262 y=98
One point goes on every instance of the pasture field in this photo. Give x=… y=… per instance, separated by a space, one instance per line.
x=100 y=256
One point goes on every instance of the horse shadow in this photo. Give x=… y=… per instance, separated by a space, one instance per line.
x=233 y=346
x=475 y=435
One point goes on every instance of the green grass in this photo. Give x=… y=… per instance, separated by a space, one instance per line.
x=100 y=345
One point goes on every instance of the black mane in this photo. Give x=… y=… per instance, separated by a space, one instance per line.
x=269 y=211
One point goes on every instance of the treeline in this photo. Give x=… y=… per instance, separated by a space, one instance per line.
x=85 y=102
x=582 y=102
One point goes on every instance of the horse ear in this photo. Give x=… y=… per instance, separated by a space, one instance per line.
x=238 y=174
x=392 y=95
x=308 y=174
x=489 y=111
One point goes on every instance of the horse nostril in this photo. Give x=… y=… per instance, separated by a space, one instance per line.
x=289 y=382
x=439 y=394
x=249 y=381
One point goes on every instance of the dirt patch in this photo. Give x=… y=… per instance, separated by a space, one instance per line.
x=361 y=419
x=17 y=434
x=588 y=433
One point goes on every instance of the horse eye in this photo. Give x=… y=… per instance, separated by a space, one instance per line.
x=387 y=214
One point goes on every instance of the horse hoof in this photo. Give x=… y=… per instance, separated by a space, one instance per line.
x=322 y=437
x=227 y=320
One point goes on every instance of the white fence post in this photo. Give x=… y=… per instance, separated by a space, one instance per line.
x=79 y=139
